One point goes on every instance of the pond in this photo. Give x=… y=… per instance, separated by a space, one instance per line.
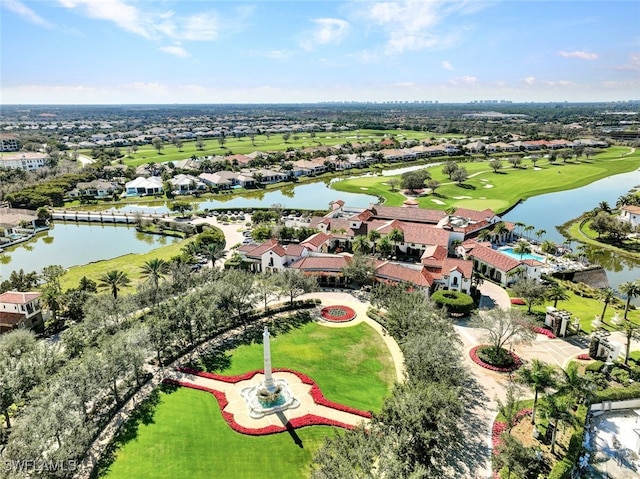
x=309 y=196
x=554 y=209
x=69 y=244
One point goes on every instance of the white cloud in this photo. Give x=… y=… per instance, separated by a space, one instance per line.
x=277 y=54
x=530 y=80
x=464 y=80
x=411 y=25
x=149 y=24
x=559 y=83
x=633 y=64
x=147 y=87
x=25 y=12
x=175 y=50
x=579 y=54
x=446 y=65
x=126 y=16
x=327 y=31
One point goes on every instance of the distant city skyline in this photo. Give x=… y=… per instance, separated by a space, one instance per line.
x=266 y=51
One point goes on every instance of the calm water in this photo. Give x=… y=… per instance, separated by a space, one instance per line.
x=70 y=244
x=311 y=196
x=554 y=209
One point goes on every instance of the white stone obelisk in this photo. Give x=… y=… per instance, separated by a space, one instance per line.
x=268 y=378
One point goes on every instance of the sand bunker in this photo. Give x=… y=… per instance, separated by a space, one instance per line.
x=438 y=202
x=462 y=198
x=488 y=186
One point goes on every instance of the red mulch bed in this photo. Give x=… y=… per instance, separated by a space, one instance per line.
x=338 y=314
x=518 y=301
x=303 y=421
x=473 y=354
x=584 y=357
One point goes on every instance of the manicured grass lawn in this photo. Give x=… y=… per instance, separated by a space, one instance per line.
x=498 y=191
x=129 y=263
x=244 y=145
x=351 y=365
x=586 y=309
x=188 y=438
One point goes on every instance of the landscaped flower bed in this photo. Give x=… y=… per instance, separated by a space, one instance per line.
x=306 y=420
x=518 y=301
x=539 y=330
x=298 y=422
x=338 y=314
x=584 y=357
x=473 y=354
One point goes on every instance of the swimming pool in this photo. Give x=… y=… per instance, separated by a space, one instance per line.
x=509 y=252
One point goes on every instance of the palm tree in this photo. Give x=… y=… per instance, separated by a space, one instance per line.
x=539 y=377
x=521 y=248
x=360 y=244
x=630 y=289
x=539 y=234
x=373 y=237
x=519 y=225
x=606 y=295
x=631 y=331
x=114 y=280
x=604 y=206
x=154 y=270
x=484 y=235
x=214 y=252
x=384 y=246
x=557 y=293
x=397 y=236
x=529 y=229
x=557 y=408
x=574 y=383
x=548 y=247
x=499 y=229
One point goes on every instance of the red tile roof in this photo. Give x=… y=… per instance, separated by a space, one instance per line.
x=464 y=266
x=10 y=320
x=434 y=255
x=475 y=215
x=294 y=249
x=494 y=258
x=416 y=215
x=17 y=297
x=635 y=210
x=317 y=239
x=403 y=274
x=321 y=263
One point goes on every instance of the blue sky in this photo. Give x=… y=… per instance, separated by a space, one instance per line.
x=165 y=51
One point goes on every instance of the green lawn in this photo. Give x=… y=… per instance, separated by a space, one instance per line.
x=351 y=365
x=129 y=263
x=244 y=145
x=586 y=309
x=188 y=438
x=186 y=435
x=499 y=191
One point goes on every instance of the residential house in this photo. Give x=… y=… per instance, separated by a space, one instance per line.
x=144 y=186
x=630 y=214
x=20 y=310
x=186 y=184
x=500 y=267
x=94 y=189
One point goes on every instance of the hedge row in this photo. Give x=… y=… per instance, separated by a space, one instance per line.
x=617 y=394
x=562 y=469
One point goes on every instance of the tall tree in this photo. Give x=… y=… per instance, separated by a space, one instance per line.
x=539 y=377
x=294 y=283
x=154 y=270
x=360 y=244
x=502 y=327
x=606 y=295
x=397 y=236
x=114 y=280
x=630 y=289
x=522 y=248
x=529 y=290
x=556 y=293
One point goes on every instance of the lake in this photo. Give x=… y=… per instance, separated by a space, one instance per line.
x=72 y=244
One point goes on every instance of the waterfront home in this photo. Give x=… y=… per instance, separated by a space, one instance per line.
x=94 y=189
x=144 y=186
x=185 y=184
x=20 y=310
x=631 y=214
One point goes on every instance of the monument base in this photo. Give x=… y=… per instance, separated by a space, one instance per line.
x=261 y=404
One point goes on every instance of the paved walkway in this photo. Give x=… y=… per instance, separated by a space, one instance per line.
x=238 y=406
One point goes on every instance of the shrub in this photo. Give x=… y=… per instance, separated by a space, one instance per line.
x=621 y=376
x=455 y=301
x=617 y=394
x=594 y=367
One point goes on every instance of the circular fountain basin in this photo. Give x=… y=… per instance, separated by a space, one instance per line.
x=259 y=406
